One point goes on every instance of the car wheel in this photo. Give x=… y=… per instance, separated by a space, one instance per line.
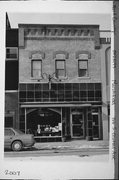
x=16 y=145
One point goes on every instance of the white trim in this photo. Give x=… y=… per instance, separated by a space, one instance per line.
x=29 y=82
x=53 y=105
x=37 y=78
x=11 y=91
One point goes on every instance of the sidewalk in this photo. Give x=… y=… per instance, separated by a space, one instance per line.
x=72 y=145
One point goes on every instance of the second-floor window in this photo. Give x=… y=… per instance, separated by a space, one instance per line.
x=36 y=70
x=82 y=68
x=60 y=68
x=11 y=53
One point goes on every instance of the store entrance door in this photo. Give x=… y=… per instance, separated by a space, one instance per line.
x=96 y=131
x=77 y=125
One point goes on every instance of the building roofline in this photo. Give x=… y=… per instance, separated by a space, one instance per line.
x=60 y=25
x=107 y=30
x=8 y=26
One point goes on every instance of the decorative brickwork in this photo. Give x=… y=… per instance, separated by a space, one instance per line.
x=36 y=54
x=78 y=53
x=30 y=32
x=59 y=31
x=66 y=55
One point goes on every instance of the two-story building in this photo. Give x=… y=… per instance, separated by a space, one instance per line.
x=63 y=79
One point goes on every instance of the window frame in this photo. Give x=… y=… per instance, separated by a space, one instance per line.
x=7 y=58
x=87 y=70
x=56 y=73
x=36 y=77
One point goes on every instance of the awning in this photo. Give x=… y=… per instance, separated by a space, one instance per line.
x=54 y=105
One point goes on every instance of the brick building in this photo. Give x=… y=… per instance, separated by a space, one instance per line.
x=63 y=82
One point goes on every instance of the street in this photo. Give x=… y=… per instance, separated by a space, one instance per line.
x=56 y=152
x=71 y=154
x=72 y=150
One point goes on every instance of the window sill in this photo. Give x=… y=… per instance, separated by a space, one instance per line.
x=36 y=78
x=61 y=78
x=12 y=59
x=84 y=77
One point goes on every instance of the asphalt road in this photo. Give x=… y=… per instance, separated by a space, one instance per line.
x=56 y=152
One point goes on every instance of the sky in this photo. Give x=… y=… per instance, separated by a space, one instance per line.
x=104 y=20
x=77 y=12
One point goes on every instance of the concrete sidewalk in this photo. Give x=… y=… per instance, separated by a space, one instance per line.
x=72 y=145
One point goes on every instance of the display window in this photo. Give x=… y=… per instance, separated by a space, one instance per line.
x=44 y=122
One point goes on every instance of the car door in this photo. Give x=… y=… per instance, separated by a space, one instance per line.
x=9 y=135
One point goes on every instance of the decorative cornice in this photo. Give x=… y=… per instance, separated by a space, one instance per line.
x=59 y=37
x=63 y=32
x=40 y=32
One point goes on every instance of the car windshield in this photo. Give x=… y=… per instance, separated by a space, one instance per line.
x=18 y=131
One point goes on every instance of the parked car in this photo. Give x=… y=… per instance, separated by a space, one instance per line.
x=17 y=140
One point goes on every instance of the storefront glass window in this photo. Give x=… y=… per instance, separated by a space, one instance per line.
x=44 y=122
x=60 y=92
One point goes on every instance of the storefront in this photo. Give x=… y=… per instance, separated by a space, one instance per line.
x=69 y=110
x=44 y=123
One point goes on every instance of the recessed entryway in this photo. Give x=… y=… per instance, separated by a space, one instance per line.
x=77 y=125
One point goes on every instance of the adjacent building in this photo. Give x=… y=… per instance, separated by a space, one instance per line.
x=60 y=81
x=11 y=76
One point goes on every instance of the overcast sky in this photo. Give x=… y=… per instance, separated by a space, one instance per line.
x=104 y=20
x=81 y=12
